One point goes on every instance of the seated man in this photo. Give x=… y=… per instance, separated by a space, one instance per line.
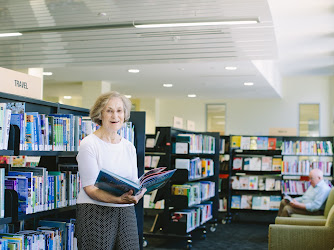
x=311 y=202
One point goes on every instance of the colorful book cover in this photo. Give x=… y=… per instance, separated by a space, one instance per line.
x=253 y=182
x=118 y=185
x=253 y=142
x=275 y=201
x=235 y=141
x=256 y=203
x=236 y=202
x=262 y=143
x=272 y=143
x=237 y=163
x=265 y=202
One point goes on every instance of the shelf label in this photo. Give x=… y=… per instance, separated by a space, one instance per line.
x=18 y=83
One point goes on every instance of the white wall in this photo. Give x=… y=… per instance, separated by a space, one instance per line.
x=257 y=116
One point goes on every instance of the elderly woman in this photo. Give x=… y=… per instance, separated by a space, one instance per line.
x=105 y=221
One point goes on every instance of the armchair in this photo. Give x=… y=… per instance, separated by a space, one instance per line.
x=316 y=220
x=302 y=236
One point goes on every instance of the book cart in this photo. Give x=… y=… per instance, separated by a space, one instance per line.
x=254 y=177
x=58 y=161
x=183 y=217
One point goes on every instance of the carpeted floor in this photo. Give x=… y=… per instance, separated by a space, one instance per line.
x=229 y=236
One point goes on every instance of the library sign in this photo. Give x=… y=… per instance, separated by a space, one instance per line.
x=18 y=83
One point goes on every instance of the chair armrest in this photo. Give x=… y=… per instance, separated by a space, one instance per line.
x=300 y=237
x=300 y=221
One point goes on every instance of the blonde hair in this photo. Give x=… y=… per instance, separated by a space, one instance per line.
x=100 y=103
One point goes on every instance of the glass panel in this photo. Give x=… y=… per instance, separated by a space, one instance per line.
x=215 y=118
x=309 y=120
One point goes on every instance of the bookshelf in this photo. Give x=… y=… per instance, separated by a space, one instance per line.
x=254 y=176
x=302 y=154
x=53 y=159
x=190 y=191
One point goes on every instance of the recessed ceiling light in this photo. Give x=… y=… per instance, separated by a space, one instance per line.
x=67 y=97
x=248 y=83
x=230 y=68
x=10 y=34
x=133 y=70
x=102 y=14
x=167 y=85
x=128 y=96
x=47 y=73
x=191 y=95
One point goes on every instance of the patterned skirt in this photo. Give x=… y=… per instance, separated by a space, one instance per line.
x=106 y=228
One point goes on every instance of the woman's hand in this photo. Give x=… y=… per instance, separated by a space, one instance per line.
x=129 y=198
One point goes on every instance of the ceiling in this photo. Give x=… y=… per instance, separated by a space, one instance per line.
x=83 y=40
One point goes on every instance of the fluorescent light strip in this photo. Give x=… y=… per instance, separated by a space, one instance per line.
x=10 y=34
x=47 y=74
x=192 y=23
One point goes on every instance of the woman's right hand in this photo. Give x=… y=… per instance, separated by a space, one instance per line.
x=129 y=198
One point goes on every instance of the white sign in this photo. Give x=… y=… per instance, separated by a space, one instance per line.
x=18 y=83
x=190 y=125
x=178 y=122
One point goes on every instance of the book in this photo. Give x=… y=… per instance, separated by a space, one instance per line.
x=275 y=201
x=262 y=142
x=272 y=143
x=245 y=142
x=237 y=163
x=235 y=141
x=253 y=182
x=253 y=142
x=118 y=185
x=287 y=198
x=236 y=202
x=246 y=201
x=266 y=163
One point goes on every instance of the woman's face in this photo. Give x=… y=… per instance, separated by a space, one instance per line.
x=113 y=114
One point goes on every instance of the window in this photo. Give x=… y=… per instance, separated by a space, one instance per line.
x=309 y=120
x=215 y=118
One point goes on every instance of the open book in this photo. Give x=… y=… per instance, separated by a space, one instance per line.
x=118 y=185
x=287 y=197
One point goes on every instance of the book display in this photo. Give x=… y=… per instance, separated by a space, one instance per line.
x=39 y=169
x=191 y=197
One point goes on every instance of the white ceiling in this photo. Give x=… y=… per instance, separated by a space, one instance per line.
x=76 y=43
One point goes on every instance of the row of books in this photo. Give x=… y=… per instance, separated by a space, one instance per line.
x=196 y=192
x=294 y=187
x=264 y=163
x=256 y=202
x=255 y=142
x=40 y=190
x=45 y=132
x=197 y=167
x=193 y=217
x=50 y=234
x=252 y=182
x=199 y=143
x=307 y=148
x=222 y=146
x=294 y=165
